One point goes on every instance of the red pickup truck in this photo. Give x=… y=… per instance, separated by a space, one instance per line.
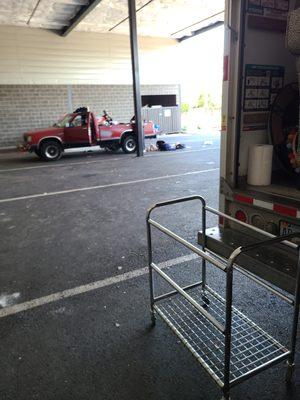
x=81 y=129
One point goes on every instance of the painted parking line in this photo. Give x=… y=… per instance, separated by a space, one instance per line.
x=177 y=153
x=120 y=158
x=64 y=294
x=58 y=165
x=84 y=189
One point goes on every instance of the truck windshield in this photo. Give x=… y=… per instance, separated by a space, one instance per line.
x=61 y=123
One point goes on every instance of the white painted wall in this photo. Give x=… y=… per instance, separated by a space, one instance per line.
x=36 y=56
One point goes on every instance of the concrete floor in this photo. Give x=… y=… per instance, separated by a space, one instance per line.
x=75 y=301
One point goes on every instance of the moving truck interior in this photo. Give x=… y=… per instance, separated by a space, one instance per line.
x=261 y=107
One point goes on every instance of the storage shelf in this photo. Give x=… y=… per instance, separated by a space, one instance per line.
x=252 y=348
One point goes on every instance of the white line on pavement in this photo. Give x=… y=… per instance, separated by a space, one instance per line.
x=46 y=165
x=106 y=159
x=17 y=308
x=173 y=153
x=61 y=192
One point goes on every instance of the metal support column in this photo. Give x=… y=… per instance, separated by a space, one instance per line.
x=136 y=78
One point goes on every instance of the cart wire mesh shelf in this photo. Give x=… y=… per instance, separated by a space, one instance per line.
x=251 y=347
x=226 y=343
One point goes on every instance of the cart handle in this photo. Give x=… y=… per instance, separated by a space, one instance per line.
x=175 y=201
x=246 y=225
x=274 y=240
x=277 y=239
x=242 y=249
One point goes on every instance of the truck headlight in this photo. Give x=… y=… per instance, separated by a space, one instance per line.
x=29 y=139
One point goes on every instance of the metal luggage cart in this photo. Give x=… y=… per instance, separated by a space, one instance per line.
x=226 y=343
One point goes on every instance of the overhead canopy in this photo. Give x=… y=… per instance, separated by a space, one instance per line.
x=163 y=18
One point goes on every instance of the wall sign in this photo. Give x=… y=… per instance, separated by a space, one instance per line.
x=262 y=83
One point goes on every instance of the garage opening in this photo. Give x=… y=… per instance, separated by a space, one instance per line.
x=73 y=250
x=59 y=69
x=201 y=83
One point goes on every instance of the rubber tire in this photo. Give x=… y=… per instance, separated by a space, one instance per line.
x=37 y=152
x=43 y=150
x=113 y=147
x=125 y=141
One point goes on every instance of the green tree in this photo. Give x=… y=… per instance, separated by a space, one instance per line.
x=206 y=101
x=185 y=107
x=211 y=105
x=201 y=101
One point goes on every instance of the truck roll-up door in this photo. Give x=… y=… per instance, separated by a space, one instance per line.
x=232 y=90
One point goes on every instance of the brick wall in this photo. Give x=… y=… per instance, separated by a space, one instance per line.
x=26 y=107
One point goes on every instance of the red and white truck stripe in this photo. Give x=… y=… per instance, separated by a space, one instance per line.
x=276 y=207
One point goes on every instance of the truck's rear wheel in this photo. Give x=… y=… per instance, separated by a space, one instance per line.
x=50 y=150
x=129 y=144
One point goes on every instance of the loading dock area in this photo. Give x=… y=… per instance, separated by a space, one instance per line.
x=74 y=279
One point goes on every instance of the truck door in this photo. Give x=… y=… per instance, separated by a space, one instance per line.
x=234 y=26
x=78 y=133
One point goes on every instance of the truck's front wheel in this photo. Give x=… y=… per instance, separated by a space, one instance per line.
x=37 y=152
x=112 y=147
x=50 y=150
x=129 y=144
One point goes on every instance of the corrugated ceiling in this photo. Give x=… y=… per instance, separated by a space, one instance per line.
x=165 y=18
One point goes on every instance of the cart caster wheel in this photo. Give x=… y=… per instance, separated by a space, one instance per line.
x=289 y=373
x=153 y=319
x=206 y=301
x=225 y=396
